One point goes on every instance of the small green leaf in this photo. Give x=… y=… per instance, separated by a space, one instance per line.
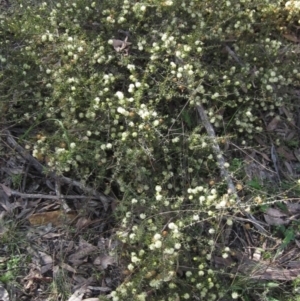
x=254 y=184
x=289 y=236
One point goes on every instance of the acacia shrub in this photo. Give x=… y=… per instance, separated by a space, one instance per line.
x=129 y=122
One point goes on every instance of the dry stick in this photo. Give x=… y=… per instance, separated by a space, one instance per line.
x=223 y=170
x=61 y=198
x=46 y=196
x=236 y=58
x=233 y=55
x=106 y=200
x=220 y=160
x=216 y=148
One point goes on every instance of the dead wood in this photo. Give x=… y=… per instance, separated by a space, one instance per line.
x=106 y=200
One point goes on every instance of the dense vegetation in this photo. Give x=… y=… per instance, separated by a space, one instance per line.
x=127 y=123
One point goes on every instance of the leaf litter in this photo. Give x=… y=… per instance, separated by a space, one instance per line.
x=73 y=248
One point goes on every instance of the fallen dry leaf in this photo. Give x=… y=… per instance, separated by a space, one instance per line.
x=46 y=262
x=78 y=294
x=55 y=272
x=265 y=156
x=104 y=260
x=297 y=154
x=56 y=218
x=273 y=123
x=83 y=222
x=289 y=115
x=290 y=135
x=3 y=293
x=33 y=277
x=67 y=267
x=276 y=217
x=4 y=201
x=3 y=230
x=260 y=141
x=52 y=235
x=289 y=168
x=285 y=152
x=291 y=37
x=293 y=208
x=3 y=259
x=85 y=249
x=6 y=189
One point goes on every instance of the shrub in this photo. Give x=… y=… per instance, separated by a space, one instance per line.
x=128 y=124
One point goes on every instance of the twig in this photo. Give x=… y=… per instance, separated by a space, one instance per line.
x=274 y=159
x=46 y=196
x=61 y=198
x=252 y=158
x=12 y=143
x=233 y=55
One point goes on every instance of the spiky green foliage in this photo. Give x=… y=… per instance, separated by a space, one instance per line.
x=129 y=124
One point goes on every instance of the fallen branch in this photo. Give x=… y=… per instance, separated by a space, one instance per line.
x=221 y=164
x=218 y=153
x=220 y=161
x=10 y=192
x=106 y=200
x=61 y=198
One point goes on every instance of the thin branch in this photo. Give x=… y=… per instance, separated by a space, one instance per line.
x=218 y=153
x=233 y=55
x=47 y=196
x=221 y=164
x=61 y=198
